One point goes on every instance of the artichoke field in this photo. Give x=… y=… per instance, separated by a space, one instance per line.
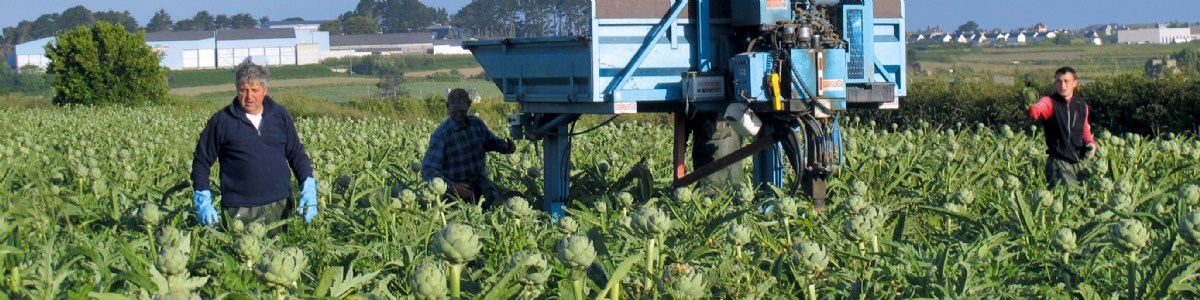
x=96 y=204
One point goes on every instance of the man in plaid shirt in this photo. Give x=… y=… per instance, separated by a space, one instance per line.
x=458 y=151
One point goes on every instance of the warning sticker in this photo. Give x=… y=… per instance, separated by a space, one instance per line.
x=625 y=107
x=776 y=4
x=833 y=85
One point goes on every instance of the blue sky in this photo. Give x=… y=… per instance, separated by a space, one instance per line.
x=921 y=13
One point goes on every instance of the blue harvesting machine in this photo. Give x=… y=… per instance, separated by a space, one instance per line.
x=778 y=71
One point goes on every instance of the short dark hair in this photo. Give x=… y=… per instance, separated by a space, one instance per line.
x=1065 y=70
x=458 y=96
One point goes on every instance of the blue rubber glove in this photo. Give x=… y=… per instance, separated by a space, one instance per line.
x=308 y=199
x=205 y=213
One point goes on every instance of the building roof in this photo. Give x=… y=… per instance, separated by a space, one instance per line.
x=167 y=36
x=381 y=39
x=277 y=24
x=255 y=33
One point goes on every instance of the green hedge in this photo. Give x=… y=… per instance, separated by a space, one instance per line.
x=1120 y=104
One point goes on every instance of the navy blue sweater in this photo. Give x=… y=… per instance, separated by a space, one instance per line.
x=254 y=163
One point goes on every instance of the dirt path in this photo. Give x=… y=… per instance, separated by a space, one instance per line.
x=200 y=90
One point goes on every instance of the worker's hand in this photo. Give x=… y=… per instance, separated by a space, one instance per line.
x=205 y=212
x=464 y=190
x=308 y=199
x=512 y=147
x=1091 y=151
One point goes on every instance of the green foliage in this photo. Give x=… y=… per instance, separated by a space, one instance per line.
x=105 y=65
x=1121 y=104
x=28 y=80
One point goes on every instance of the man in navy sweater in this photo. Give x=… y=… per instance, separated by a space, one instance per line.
x=255 y=140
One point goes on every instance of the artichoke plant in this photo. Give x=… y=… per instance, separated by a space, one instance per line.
x=810 y=256
x=249 y=248
x=518 y=208
x=1064 y=240
x=1130 y=236
x=149 y=214
x=964 y=196
x=856 y=203
x=684 y=282
x=281 y=269
x=1189 y=228
x=738 y=234
x=456 y=243
x=428 y=282
x=858 y=228
x=567 y=225
x=1190 y=194
x=532 y=270
x=576 y=251
x=257 y=230
x=651 y=221
x=684 y=195
x=173 y=260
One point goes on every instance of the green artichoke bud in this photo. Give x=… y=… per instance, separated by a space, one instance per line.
x=576 y=251
x=651 y=221
x=964 y=196
x=998 y=183
x=858 y=228
x=745 y=194
x=1189 y=228
x=518 y=208
x=531 y=266
x=952 y=207
x=170 y=237
x=625 y=222
x=1057 y=207
x=875 y=214
x=1190 y=194
x=684 y=195
x=601 y=208
x=856 y=203
x=149 y=214
x=1160 y=209
x=282 y=268
x=1129 y=235
x=456 y=244
x=428 y=282
x=1104 y=184
x=437 y=187
x=173 y=260
x=1064 y=240
x=1124 y=187
x=258 y=230
x=626 y=199
x=1043 y=198
x=249 y=248
x=1012 y=183
x=738 y=234
x=684 y=281
x=859 y=188
x=810 y=256
x=787 y=207
x=567 y=225
x=1121 y=202
x=408 y=196
x=236 y=226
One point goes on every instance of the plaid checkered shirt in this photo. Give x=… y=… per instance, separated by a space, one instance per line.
x=459 y=153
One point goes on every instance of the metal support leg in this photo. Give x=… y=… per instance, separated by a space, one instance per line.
x=679 y=156
x=768 y=168
x=557 y=163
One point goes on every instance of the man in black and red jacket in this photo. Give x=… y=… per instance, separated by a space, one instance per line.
x=1064 y=118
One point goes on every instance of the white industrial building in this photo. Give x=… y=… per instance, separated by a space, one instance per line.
x=1156 y=35
x=273 y=46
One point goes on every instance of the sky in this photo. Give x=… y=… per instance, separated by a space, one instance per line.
x=948 y=14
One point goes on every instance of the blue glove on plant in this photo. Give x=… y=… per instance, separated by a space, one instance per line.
x=205 y=213
x=308 y=199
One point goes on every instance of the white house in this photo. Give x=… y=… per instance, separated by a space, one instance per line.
x=1156 y=35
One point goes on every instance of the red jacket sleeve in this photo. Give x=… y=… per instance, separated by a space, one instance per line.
x=1087 y=126
x=1043 y=110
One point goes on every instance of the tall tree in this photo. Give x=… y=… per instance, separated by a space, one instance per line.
x=969 y=26
x=185 y=25
x=160 y=22
x=294 y=19
x=334 y=27
x=244 y=20
x=223 y=22
x=44 y=26
x=204 y=21
x=404 y=15
x=359 y=25
x=73 y=17
x=264 y=20
x=116 y=17
x=105 y=64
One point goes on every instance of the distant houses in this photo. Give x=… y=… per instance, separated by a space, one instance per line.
x=1093 y=35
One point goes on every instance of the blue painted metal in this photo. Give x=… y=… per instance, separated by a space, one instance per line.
x=655 y=34
x=768 y=167
x=752 y=13
x=749 y=76
x=833 y=83
x=557 y=163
